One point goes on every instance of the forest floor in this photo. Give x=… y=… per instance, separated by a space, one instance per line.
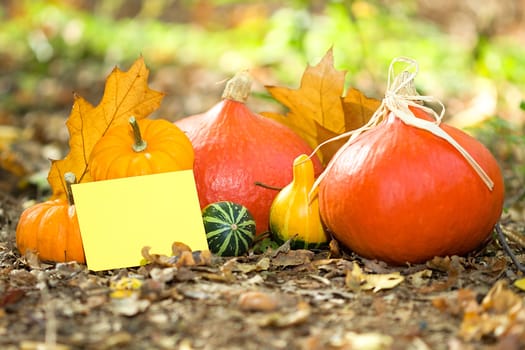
x=280 y=299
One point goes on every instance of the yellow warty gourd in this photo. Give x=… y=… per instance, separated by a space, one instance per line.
x=292 y=215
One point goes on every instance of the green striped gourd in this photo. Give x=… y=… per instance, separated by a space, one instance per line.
x=230 y=228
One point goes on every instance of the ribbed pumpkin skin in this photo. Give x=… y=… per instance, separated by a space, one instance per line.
x=295 y=216
x=168 y=149
x=230 y=228
x=234 y=148
x=400 y=194
x=48 y=229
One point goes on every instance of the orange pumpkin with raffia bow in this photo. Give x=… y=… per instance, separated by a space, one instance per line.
x=409 y=188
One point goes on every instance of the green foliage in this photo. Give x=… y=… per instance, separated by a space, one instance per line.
x=496 y=127
x=506 y=143
x=365 y=35
x=263 y=243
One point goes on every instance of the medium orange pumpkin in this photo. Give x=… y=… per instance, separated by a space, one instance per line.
x=51 y=230
x=399 y=193
x=235 y=148
x=147 y=146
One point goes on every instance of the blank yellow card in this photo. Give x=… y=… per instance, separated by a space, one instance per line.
x=119 y=217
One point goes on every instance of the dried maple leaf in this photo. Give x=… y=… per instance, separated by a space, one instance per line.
x=258 y=301
x=293 y=258
x=318 y=110
x=125 y=287
x=501 y=313
x=125 y=94
x=183 y=256
x=357 y=280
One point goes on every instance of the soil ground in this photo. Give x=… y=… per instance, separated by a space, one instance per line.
x=275 y=300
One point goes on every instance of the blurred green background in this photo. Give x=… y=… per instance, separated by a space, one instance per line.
x=465 y=51
x=471 y=55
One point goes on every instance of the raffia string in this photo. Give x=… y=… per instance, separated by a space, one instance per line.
x=401 y=94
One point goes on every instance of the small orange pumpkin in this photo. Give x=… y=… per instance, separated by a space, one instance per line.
x=149 y=146
x=51 y=230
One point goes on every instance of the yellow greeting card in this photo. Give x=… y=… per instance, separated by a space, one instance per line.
x=117 y=218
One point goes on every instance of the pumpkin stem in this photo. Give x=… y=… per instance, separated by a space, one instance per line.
x=140 y=144
x=70 y=179
x=238 y=88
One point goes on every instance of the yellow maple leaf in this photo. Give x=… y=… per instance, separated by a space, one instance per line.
x=125 y=94
x=318 y=111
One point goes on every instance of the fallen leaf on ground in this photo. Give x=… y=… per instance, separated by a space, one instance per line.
x=520 y=283
x=257 y=301
x=177 y=248
x=283 y=248
x=129 y=306
x=293 y=258
x=34 y=345
x=452 y=266
x=500 y=313
x=287 y=319
x=125 y=287
x=12 y=163
x=114 y=341
x=335 y=251
x=163 y=275
x=357 y=280
x=184 y=257
x=31 y=259
x=420 y=278
x=11 y=297
x=262 y=265
x=462 y=300
x=362 y=341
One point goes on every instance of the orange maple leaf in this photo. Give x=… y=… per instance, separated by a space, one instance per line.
x=125 y=94
x=318 y=111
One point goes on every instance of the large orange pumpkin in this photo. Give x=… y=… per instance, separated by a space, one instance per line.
x=51 y=230
x=401 y=194
x=147 y=146
x=235 y=148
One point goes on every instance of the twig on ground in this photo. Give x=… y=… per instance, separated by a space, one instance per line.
x=503 y=240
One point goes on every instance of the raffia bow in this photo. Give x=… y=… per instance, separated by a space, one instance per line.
x=400 y=95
